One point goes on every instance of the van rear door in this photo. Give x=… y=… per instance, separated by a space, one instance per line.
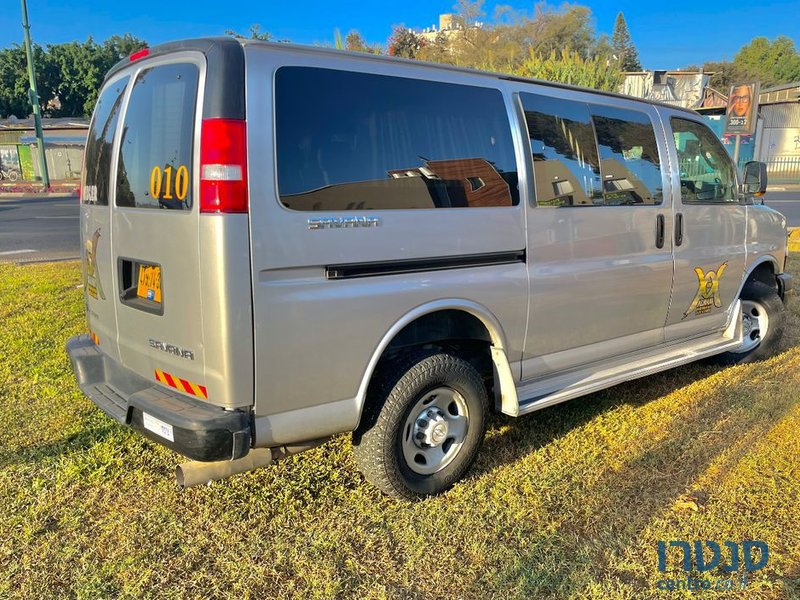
x=175 y=306
x=155 y=229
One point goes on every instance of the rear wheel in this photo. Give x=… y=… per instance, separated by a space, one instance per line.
x=426 y=423
x=762 y=324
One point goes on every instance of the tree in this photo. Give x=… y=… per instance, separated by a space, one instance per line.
x=570 y=27
x=623 y=47
x=255 y=34
x=724 y=74
x=14 y=82
x=771 y=63
x=441 y=50
x=355 y=42
x=118 y=47
x=68 y=76
x=570 y=67
x=404 y=43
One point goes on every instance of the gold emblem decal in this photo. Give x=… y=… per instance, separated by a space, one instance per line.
x=91 y=277
x=707 y=295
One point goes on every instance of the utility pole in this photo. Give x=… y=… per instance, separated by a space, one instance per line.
x=34 y=97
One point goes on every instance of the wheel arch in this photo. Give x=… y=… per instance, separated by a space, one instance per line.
x=763 y=269
x=505 y=387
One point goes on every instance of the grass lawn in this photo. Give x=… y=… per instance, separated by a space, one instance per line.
x=568 y=502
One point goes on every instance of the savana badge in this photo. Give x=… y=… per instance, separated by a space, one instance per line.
x=92 y=277
x=707 y=296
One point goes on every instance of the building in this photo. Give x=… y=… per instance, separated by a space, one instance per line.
x=779 y=143
x=681 y=88
x=449 y=26
x=64 y=141
x=777 y=138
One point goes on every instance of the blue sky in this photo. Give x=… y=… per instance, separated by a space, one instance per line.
x=668 y=34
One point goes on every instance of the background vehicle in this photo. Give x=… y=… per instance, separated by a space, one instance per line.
x=8 y=175
x=285 y=243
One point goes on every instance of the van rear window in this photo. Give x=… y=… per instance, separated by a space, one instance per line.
x=155 y=161
x=358 y=141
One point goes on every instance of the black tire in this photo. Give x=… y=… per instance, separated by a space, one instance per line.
x=400 y=388
x=758 y=296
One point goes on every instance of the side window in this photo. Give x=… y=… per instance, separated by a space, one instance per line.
x=155 y=159
x=99 y=142
x=629 y=163
x=565 y=162
x=358 y=141
x=707 y=173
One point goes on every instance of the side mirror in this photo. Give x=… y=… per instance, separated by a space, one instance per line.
x=755 y=178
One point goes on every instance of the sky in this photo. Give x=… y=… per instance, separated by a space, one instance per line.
x=668 y=35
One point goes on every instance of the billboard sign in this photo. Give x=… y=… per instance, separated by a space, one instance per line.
x=742 y=110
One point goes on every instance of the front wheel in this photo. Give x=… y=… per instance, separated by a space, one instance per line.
x=425 y=423
x=762 y=325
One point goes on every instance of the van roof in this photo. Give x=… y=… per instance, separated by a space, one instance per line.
x=207 y=44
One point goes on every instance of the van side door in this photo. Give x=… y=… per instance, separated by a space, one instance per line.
x=709 y=234
x=600 y=264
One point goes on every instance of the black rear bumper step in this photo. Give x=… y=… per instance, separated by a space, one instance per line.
x=200 y=431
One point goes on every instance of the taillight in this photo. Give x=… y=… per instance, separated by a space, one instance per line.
x=223 y=166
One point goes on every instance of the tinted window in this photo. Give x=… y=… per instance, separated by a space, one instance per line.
x=155 y=163
x=99 y=143
x=707 y=173
x=629 y=164
x=565 y=164
x=356 y=141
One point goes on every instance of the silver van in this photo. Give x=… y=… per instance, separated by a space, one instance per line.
x=285 y=243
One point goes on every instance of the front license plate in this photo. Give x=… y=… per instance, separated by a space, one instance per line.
x=149 y=283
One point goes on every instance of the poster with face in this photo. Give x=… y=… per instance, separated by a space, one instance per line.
x=740 y=116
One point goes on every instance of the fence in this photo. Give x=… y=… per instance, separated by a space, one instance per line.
x=783 y=169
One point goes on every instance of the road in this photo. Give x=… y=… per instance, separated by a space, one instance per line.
x=42 y=229
x=39 y=229
x=786 y=202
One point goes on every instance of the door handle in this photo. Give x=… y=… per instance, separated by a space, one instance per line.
x=678 y=229
x=660 y=231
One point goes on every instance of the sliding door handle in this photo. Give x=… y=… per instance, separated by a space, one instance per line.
x=660 y=231
x=678 y=229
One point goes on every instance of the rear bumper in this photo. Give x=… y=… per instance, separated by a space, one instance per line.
x=197 y=430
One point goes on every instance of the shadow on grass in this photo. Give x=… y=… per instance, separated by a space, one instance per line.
x=531 y=432
x=80 y=440
x=609 y=519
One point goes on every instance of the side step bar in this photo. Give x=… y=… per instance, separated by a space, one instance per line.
x=553 y=390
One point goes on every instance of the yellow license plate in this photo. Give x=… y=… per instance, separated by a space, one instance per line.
x=149 y=283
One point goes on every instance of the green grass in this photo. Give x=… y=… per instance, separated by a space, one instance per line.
x=570 y=501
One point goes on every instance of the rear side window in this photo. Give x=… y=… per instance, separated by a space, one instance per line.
x=155 y=161
x=99 y=143
x=707 y=173
x=357 y=141
x=629 y=163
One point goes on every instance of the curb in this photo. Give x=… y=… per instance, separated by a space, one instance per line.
x=15 y=197
x=794 y=239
